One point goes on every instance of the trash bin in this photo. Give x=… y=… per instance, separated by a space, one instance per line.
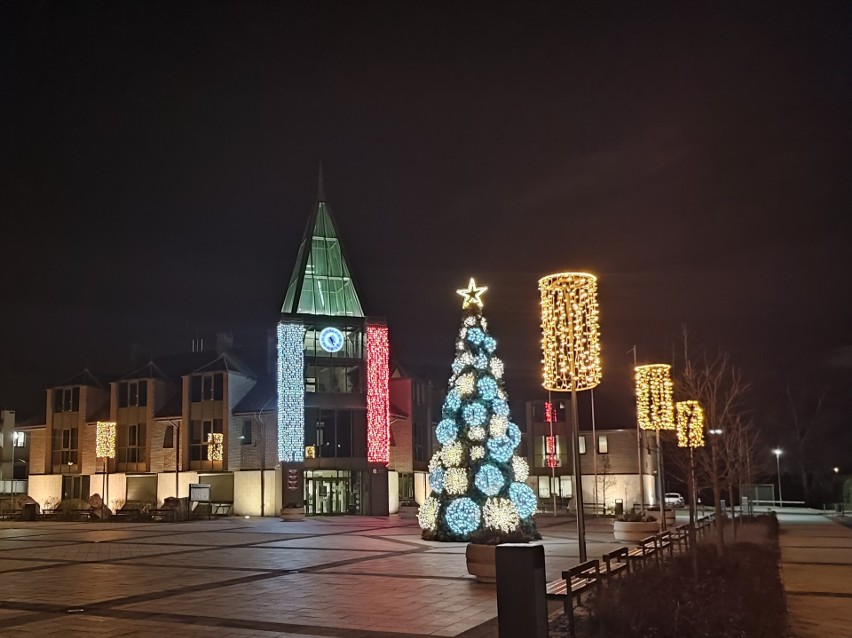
x=29 y=511
x=619 y=506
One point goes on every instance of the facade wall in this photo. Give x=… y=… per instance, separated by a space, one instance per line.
x=236 y=387
x=401 y=452
x=162 y=458
x=247 y=491
x=89 y=464
x=37 y=450
x=42 y=487
x=264 y=442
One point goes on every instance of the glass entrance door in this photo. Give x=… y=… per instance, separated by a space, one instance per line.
x=326 y=496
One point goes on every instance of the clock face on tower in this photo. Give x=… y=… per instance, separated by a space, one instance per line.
x=331 y=339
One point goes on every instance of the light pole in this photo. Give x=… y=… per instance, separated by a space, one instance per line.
x=655 y=411
x=777 y=452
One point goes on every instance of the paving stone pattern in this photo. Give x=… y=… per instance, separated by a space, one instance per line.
x=344 y=577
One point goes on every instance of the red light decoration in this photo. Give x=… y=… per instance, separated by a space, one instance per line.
x=548 y=412
x=550 y=444
x=378 y=403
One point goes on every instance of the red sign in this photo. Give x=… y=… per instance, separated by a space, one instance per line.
x=550 y=447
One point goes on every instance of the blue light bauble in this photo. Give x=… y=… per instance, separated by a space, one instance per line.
x=487 y=387
x=475 y=413
x=490 y=480
x=514 y=434
x=446 y=432
x=463 y=516
x=480 y=362
x=451 y=403
x=436 y=480
x=523 y=497
x=475 y=335
x=500 y=407
x=490 y=344
x=501 y=448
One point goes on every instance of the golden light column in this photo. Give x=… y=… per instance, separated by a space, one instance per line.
x=655 y=411
x=690 y=434
x=105 y=449
x=570 y=345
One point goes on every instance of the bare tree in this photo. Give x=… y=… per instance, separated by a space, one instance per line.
x=805 y=424
x=717 y=383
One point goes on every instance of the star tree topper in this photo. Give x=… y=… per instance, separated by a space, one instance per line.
x=472 y=295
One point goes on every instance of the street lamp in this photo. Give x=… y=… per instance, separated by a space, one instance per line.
x=655 y=411
x=777 y=452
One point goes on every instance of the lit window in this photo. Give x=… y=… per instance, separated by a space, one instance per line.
x=582 y=444
x=603 y=446
x=19 y=439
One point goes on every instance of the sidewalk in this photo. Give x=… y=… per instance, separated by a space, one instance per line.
x=816 y=566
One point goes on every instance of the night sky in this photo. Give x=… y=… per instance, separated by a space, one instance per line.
x=159 y=162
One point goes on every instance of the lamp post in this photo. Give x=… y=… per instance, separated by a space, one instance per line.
x=571 y=349
x=655 y=411
x=777 y=452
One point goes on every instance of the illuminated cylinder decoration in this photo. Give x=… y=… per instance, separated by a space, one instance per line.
x=105 y=440
x=291 y=392
x=690 y=424
x=378 y=400
x=570 y=332
x=654 y=406
x=215 y=446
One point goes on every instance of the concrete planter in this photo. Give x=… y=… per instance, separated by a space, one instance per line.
x=481 y=562
x=292 y=513
x=634 y=532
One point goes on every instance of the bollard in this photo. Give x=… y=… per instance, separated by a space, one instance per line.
x=521 y=597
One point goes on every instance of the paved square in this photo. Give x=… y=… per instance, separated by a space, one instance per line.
x=345 y=577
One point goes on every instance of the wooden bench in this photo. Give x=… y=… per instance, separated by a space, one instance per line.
x=572 y=585
x=616 y=561
x=664 y=543
x=646 y=549
x=163 y=515
x=680 y=535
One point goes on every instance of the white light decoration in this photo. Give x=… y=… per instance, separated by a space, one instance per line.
x=427 y=515
x=466 y=384
x=435 y=461
x=497 y=368
x=520 y=468
x=500 y=514
x=215 y=446
x=476 y=433
x=452 y=454
x=654 y=406
x=456 y=480
x=472 y=295
x=469 y=321
x=498 y=426
x=477 y=452
x=291 y=392
x=570 y=330
x=105 y=440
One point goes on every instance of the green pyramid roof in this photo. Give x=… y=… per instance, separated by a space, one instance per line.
x=322 y=283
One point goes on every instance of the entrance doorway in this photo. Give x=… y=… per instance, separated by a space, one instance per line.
x=330 y=492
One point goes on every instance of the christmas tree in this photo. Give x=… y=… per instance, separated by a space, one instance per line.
x=477 y=482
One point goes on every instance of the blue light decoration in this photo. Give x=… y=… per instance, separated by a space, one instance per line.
x=490 y=344
x=475 y=335
x=463 y=516
x=474 y=413
x=523 y=498
x=487 y=387
x=436 y=480
x=480 y=362
x=501 y=448
x=489 y=480
x=452 y=403
x=500 y=407
x=514 y=434
x=457 y=366
x=291 y=392
x=447 y=431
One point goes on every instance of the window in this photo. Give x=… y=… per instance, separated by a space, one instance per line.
x=201 y=448
x=19 y=439
x=246 y=437
x=132 y=393
x=208 y=387
x=329 y=432
x=603 y=446
x=66 y=399
x=130 y=446
x=169 y=437
x=582 y=444
x=64 y=452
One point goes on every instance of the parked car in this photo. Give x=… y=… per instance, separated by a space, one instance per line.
x=675 y=499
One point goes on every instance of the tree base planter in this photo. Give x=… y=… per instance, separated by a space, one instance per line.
x=481 y=562
x=634 y=532
x=292 y=513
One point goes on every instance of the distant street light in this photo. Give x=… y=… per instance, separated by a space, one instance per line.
x=777 y=452
x=837 y=470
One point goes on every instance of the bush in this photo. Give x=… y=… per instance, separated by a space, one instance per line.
x=667 y=601
x=635 y=517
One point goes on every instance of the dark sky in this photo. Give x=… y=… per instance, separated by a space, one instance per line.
x=159 y=162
